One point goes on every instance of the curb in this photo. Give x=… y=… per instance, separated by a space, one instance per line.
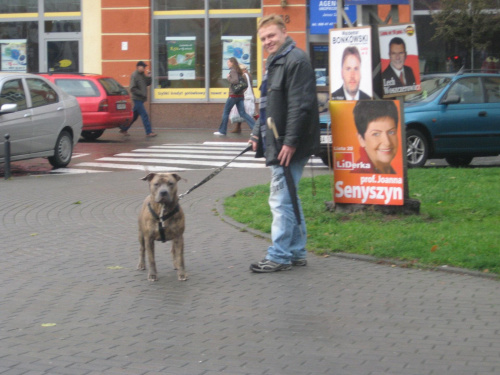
x=219 y=210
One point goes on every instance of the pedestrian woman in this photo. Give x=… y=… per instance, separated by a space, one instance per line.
x=249 y=101
x=234 y=99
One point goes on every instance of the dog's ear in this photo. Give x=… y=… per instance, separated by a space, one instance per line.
x=176 y=176
x=149 y=177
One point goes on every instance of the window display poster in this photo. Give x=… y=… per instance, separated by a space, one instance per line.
x=399 y=60
x=13 y=54
x=350 y=63
x=367 y=152
x=181 y=57
x=238 y=47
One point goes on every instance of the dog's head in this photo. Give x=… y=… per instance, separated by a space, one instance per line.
x=163 y=186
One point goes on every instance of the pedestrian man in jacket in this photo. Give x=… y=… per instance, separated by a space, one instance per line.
x=288 y=97
x=139 y=82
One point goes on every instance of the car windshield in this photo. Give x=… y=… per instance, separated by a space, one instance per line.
x=112 y=87
x=78 y=87
x=431 y=87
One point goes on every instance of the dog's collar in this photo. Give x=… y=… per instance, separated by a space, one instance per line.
x=161 y=219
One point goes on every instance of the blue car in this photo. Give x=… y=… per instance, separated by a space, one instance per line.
x=455 y=117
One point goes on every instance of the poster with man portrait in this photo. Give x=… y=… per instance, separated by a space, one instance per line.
x=367 y=152
x=350 y=62
x=399 y=60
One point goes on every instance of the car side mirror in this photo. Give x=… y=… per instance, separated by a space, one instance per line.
x=451 y=99
x=8 y=108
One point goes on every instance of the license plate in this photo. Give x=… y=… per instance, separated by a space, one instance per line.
x=121 y=106
x=326 y=139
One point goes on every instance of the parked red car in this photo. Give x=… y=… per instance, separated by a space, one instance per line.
x=105 y=104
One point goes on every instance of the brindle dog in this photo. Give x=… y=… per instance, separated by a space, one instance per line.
x=161 y=219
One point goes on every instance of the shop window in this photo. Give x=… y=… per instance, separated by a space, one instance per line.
x=19 y=46
x=179 y=53
x=162 y=5
x=235 y=4
x=19 y=6
x=319 y=59
x=62 y=5
x=232 y=37
x=63 y=26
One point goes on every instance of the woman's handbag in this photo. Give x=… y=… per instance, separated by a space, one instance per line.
x=241 y=86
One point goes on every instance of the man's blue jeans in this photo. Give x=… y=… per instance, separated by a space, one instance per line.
x=239 y=102
x=289 y=238
x=140 y=110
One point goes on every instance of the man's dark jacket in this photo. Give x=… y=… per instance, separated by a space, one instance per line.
x=139 y=83
x=389 y=74
x=292 y=103
x=340 y=95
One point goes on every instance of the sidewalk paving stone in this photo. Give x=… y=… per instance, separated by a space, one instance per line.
x=70 y=248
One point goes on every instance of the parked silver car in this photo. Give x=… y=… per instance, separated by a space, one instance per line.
x=40 y=118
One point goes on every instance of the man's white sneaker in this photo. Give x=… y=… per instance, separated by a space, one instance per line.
x=219 y=133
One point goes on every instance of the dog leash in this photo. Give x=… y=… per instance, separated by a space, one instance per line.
x=214 y=173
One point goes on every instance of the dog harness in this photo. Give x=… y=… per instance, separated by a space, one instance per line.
x=161 y=219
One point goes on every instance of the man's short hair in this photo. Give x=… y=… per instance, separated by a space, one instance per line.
x=397 y=40
x=348 y=51
x=366 y=111
x=272 y=19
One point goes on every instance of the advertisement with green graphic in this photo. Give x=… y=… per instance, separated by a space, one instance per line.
x=13 y=55
x=181 y=57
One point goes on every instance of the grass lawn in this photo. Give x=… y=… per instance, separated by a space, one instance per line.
x=458 y=223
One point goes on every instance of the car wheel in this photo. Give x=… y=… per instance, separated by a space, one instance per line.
x=459 y=161
x=417 y=148
x=92 y=135
x=62 y=151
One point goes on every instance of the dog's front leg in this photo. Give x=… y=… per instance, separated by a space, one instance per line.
x=178 y=257
x=150 y=251
x=142 y=254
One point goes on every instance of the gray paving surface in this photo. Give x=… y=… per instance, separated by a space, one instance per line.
x=69 y=250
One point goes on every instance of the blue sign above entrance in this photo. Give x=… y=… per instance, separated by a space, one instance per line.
x=324 y=15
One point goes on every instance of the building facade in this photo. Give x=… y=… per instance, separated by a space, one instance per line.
x=185 y=43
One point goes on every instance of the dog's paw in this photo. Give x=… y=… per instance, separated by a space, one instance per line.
x=182 y=277
x=141 y=266
x=152 y=278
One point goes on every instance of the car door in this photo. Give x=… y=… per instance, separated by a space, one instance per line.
x=48 y=114
x=491 y=130
x=18 y=125
x=462 y=127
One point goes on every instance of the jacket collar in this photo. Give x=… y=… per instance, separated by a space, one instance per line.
x=283 y=51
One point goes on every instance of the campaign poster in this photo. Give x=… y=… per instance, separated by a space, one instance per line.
x=13 y=55
x=181 y=57
x=367 y=152
x=350 y=62
x=238 y=47
x=399 y=60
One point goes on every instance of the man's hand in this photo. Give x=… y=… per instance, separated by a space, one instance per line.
x=254 y=145
x=285 y=155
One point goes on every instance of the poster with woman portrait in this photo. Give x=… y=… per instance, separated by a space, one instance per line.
x=399 y=60
x=367 y=152
x=350 y=62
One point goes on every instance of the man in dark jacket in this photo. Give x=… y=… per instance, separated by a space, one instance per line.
x=288 y=96
x=139 y=82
